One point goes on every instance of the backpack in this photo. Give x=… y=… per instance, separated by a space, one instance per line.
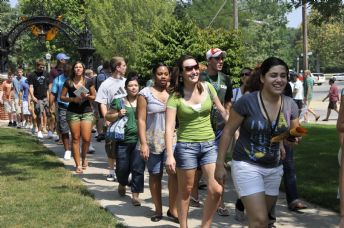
x=99 y=79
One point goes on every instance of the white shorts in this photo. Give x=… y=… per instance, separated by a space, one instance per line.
x=249 y=179
x=9 y=106
x=25 y=108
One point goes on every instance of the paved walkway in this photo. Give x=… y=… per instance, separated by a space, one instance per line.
x=106 y=194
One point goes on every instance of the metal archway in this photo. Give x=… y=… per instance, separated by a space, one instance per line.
x=82 y=40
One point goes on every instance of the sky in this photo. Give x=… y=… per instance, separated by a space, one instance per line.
x=294 y=17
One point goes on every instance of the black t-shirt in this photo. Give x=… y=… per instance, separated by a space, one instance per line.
x=40 y=82
x=82 y=107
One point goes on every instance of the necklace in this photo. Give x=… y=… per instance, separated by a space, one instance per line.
x=272 y=127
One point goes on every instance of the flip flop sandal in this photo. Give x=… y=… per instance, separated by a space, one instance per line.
x=85 y=165
x=78 y=170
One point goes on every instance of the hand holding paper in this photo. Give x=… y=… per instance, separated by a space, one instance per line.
x=80 y=90
x=295 y=132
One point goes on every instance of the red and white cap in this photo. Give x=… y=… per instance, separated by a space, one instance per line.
x=215 y=52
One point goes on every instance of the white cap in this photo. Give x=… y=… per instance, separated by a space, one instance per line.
x=215 y=52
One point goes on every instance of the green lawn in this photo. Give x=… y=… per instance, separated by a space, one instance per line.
x=317 y=166
x=37 y=191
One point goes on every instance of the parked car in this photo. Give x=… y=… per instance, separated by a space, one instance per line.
x=318 y=78
x=338 y=77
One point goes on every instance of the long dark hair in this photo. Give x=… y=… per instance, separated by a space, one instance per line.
x=260 y=71
x=177 y=83
x=72 y=75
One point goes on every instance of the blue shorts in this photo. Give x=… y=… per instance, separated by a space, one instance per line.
x=190 y=155
x=155 y=163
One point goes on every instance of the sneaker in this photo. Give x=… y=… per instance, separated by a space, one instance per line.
x=239 y=215
x=223 y=211
x=19 y=125
x=14 y=124
x=45 y=131
x=67 y=155
x=91 y=149
x=39 y=135
x=110 y=177
x=194 y=202
x=56 y=138
x=10 y=124
x=129 y=179
x=50 y=135
x=100 y=137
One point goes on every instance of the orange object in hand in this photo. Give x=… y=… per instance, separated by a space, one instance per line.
x=295 y=132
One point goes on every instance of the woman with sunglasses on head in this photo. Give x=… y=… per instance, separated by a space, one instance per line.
x=128 y=159
x=256 y=165
x=191 y=102
x=79 y=112
x=151 y=108
x=245 y=74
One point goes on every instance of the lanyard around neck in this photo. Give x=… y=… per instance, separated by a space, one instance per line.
x=217 y=87
x=272 y=128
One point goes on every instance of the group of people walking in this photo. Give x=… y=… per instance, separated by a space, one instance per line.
x=185 y=122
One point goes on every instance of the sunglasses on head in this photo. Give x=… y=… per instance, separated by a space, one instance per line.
x=190 y=68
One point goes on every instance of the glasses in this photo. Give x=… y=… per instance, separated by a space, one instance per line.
x=190 y=68
x=246 y=74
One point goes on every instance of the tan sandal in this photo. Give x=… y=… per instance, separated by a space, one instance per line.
x=85 y=165
x=78 y=170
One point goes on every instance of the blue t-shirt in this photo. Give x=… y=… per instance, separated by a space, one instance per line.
x=24 y=87
x=16 y=82
x=57 y=86
x=253 y=145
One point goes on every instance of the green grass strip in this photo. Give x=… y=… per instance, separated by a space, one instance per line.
x=317 y=166
x=37 y=191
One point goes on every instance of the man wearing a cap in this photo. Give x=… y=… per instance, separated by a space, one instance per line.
x=223 y=86
x=221 y=83
x=61 y=59
x=56 y=71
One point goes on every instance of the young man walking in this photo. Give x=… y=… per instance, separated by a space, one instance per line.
x=39 y=82
x=112 y=88
x=16 y=81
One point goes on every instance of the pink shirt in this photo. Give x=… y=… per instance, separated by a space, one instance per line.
x=333 y=94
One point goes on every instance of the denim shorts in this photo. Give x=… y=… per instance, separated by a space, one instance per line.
x=190 y=155
x=155 y=162
x=71 y=116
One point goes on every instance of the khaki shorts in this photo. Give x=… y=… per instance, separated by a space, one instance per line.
x=9 y=106
x=17 y=106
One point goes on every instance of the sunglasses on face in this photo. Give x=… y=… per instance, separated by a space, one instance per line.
x=246 y=74
x=190 y=68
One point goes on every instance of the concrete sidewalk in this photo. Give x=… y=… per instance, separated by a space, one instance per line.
x=106 y=194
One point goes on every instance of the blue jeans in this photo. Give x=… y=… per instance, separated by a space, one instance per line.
x=128 y=160
x=190 y=155
x=289 y=176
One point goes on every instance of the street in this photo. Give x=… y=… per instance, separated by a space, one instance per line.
x=321 y=107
